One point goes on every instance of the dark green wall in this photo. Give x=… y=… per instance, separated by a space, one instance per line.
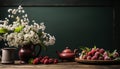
x=74 y=26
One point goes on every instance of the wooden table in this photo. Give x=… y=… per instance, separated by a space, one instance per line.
x=62 y=65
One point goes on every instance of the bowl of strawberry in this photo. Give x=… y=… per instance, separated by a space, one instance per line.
x=98 y=56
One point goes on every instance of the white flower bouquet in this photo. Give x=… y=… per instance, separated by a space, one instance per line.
x=17 y=30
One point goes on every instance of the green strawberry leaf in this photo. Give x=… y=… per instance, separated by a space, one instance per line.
x=95 y=47
x=87 y=49
x=114 y=51
x=82 y=48
x=117 y=59
x=30 y=61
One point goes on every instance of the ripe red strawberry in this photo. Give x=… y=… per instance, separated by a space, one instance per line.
x=40 y=57
x=88 y=57
x=93 y=51
x=94 y=58
x=107 y=58
x=36 y=61
x=97 y=54
x=42 y=60
x=115 y=54
x=100 y=58
x=46 y=57
x=51 y=60
x=101 y=50
x=46 y=61
x=97 y=49
x=89 y=53
x=55 y=61
x=84 y=57
x=105 y=54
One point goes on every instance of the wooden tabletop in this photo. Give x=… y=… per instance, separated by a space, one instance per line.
x=62 y=65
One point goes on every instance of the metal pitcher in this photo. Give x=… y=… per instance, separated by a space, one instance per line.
x=7 y=56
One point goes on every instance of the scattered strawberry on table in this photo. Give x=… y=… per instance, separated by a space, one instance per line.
x=98 y=54
x=43 y=60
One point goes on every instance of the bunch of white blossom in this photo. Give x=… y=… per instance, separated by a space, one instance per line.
x=17 y=30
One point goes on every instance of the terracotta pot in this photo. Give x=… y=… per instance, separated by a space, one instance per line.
x=7 y=56
x=67 y=54
x=27 y=52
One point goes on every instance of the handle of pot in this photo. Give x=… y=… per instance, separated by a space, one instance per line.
x=39 y=50
x=76 y=52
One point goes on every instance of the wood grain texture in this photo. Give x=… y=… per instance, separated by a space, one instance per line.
x=63 y=65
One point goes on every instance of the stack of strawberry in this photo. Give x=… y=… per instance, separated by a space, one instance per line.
x=98 y=54
x=44 y=60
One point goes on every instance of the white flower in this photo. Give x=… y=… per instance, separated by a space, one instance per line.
x=20 y=7
x=9 y=16
x=14 y=11
x=23 y=11
x=44 y=34
x=28 y=20
x=5 y=22
x=26 y=15
x=9 y=10
x=33 y=21
x=50 y=41
x=19 y=11
x=6 y=19
x=42 y=26
x=21 y=31
x=12 y=16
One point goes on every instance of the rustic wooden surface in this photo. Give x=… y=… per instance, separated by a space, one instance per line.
x=62 y=65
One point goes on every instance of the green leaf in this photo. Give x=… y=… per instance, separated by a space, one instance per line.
x=112 y=54
x=82 y=47
x=117 y=59
x=114 y=51
x=88 y=49
x=30 y=61
x=18 y=29
x=95 y=47
x=109 y=54
x=3 y=30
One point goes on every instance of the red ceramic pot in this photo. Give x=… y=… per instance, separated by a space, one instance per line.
x=26 y=52
x=67 y=54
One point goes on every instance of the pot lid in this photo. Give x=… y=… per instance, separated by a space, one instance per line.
x=67 y=50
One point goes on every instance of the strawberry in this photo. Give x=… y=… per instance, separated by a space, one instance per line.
x=84 y=57
x=36 y=61
x=101 y=58
x=97 y=54
x=97 y=49
x=101 y=50
x=55 y=61
x=89 y=53
x=115 y=54
x=93 y=51
x=94 y=58
x=88 y=57
x=107 y=58
x=105 y=54
x=42 y=60
x=46 y=61
x=40 y=57
x=51 y=60
x=46 y=57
